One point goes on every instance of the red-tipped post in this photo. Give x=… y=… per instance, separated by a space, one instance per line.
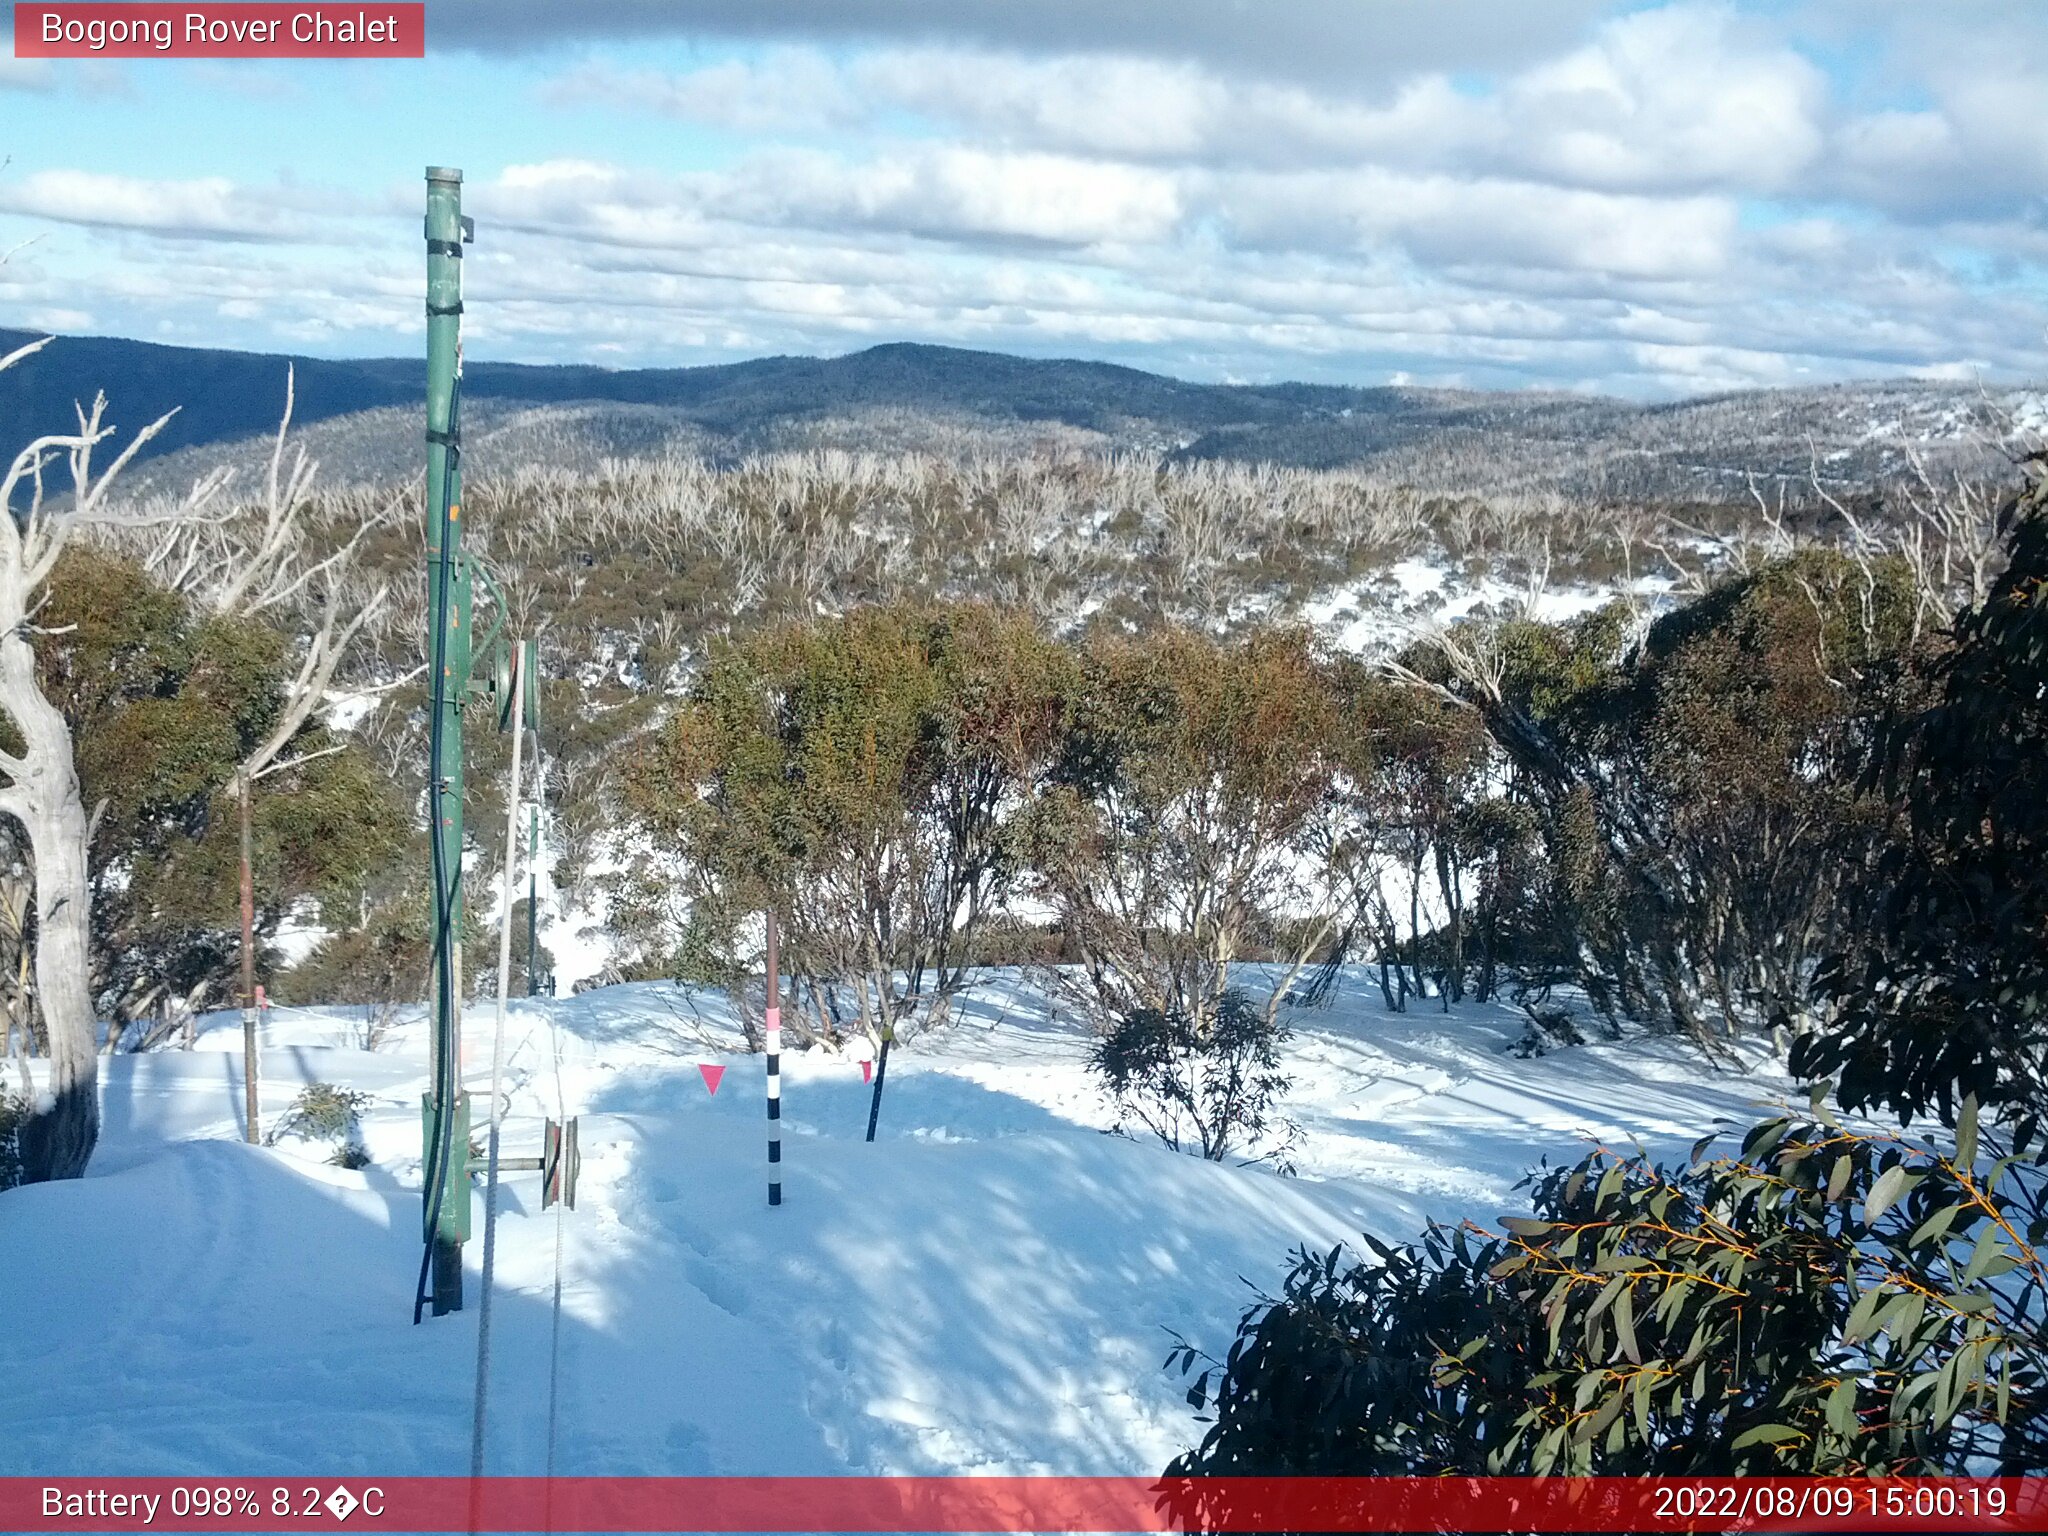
x=773 y=1023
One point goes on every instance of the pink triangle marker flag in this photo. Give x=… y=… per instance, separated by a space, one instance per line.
x=712 y=1075
x=867 y=1071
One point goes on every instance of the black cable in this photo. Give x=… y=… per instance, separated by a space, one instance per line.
x=444 y=956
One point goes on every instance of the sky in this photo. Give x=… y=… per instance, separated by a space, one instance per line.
x=1647 y=200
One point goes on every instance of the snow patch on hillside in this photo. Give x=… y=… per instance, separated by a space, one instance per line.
x=1381 y=612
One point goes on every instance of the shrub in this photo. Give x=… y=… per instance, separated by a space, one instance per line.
x=14 y=1110
x=324 y=1112
x=1210 y=1087
x=1823 y=1301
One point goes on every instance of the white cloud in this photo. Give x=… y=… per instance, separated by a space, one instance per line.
x=958 y=192
x=787 y=89
x=1310 y=40
x=1675 y=99
x=1455 y=222
x=1674 y=198
x=934 y=191
x=26 y=74
x=1130 y=108
x=204 y=206
x=1686 y=98
x=59 y=321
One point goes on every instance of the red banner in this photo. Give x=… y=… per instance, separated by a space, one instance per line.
x=960 y=1504
x=221 y=29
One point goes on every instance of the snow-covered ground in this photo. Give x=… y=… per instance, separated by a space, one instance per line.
x=987 y=1288
x=1379 y=613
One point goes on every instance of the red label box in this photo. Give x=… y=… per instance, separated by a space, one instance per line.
x=221 y=29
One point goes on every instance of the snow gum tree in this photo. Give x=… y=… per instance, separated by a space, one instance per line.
x=1173 y=834
x=166 y=701
x=1700 y=785
x=864 y=777
x=1405 y=837
x=1938 y=988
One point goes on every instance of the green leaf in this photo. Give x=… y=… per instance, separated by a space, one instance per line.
x=1527 y=1226
x=1841 y=1408
x=1838 y=1176
x=1764 y=1137
x=1935 y=1227
x=1966 y=1133
x=1821 y=1112
x=1625 y=1324
x=1613 y=1263
x=1888 y=1187
x=1903 y=1317
x=1766 y=1434
x=1617 y=1433
x=1604 y=1300
x=1610 y=1413
x=1862 y=1315
x=1610 y=1184
x=1548 y=1445
x=1988 y=1248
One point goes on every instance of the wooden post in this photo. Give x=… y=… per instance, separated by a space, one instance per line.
x=881 y=1072
x=249 y=1047
x=773 y=1024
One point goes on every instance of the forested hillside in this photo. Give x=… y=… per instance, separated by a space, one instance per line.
x=359 y=419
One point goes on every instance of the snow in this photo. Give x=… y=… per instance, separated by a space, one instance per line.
x=347 y=710
x=1387 y=609
x=987 y=1288
x=300 y=933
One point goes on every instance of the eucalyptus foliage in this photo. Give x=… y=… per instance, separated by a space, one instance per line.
x=1825 y=1299
x=1942 y=989
x=1203 y=1085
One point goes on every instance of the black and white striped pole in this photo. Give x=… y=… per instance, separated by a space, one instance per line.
x=773 y=1022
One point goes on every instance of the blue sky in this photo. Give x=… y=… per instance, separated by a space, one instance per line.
x=1652 y=200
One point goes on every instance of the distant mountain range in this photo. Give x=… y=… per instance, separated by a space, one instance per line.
x=361 y=417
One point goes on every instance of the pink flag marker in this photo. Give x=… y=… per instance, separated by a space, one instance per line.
x=867 y=1071
x=712 y=1075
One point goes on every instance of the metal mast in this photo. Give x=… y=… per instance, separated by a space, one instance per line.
x=449 y=606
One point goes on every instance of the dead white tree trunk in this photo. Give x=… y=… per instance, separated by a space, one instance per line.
x=42 y=791
x=240 y=575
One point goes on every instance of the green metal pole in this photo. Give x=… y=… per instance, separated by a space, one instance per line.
x=448 y=617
